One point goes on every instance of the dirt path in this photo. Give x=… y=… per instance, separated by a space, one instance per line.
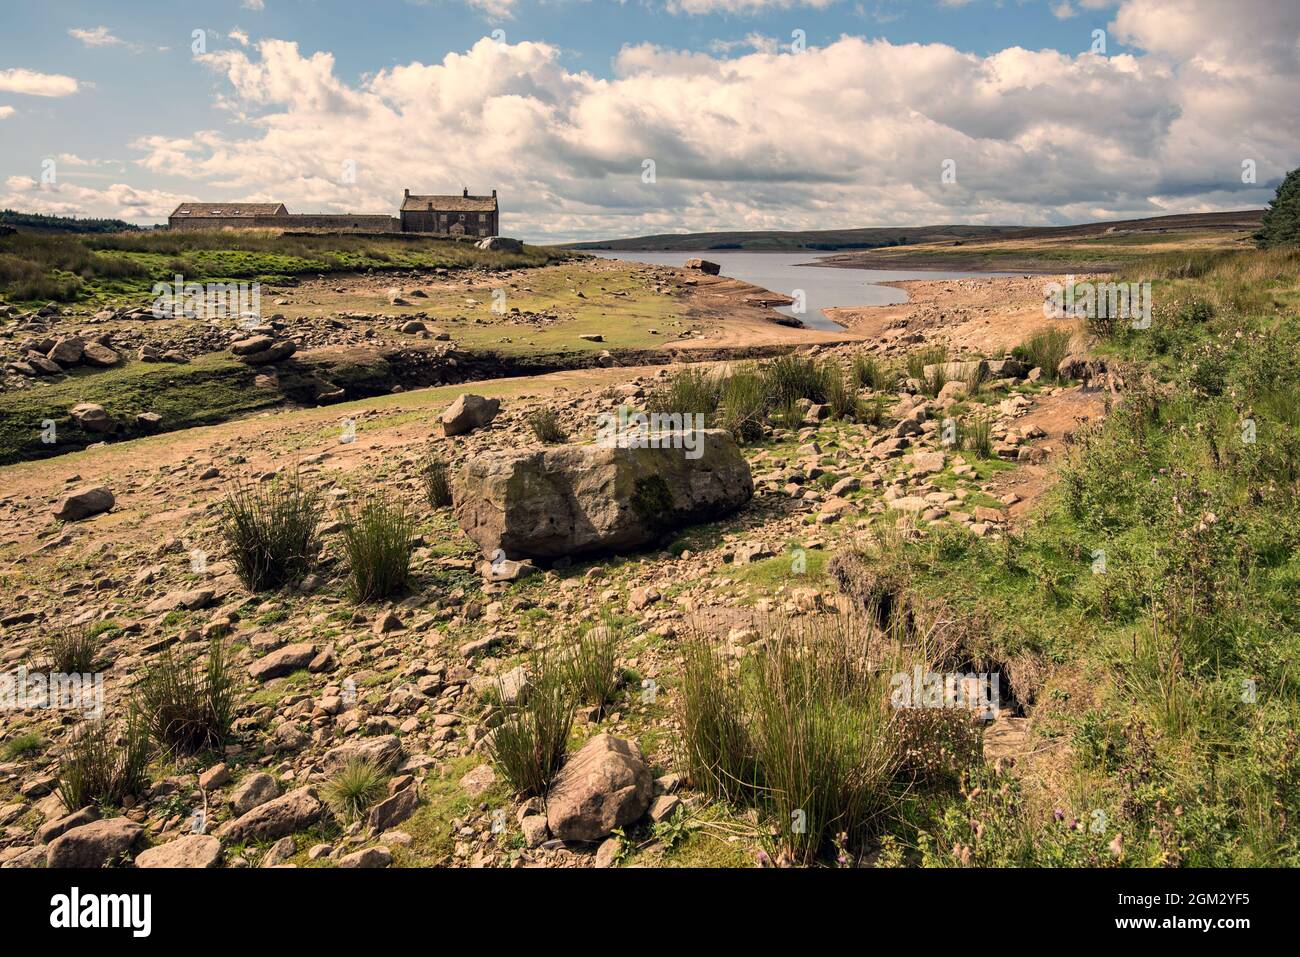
x=1059 y=414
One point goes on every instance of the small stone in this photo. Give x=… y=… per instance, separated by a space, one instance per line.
x=192 y=850
x=479 y=780
x=370 y=857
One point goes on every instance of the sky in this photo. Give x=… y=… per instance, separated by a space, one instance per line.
x=598 y=118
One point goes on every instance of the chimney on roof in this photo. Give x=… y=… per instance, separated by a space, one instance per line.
x=408 y=194
x=464 y=191
x=494 y=194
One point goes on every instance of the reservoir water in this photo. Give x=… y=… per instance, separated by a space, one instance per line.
x=824 y=287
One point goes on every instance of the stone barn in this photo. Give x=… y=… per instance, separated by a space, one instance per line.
x=462 y=215
x=228 y=216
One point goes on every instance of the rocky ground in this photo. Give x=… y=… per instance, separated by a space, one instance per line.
x=124 y=537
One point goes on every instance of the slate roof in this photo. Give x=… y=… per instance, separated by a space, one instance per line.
x=450 y=204
x=227 y=210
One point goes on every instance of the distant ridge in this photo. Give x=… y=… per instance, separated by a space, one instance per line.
x=877 y=237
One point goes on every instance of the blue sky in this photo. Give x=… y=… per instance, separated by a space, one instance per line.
x=562 y=112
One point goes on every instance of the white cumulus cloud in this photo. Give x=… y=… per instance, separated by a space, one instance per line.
x=19 y=80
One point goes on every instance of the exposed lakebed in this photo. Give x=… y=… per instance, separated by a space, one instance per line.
x=824 y=287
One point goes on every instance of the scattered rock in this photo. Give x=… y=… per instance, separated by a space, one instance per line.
x=192 y=850
x=254 y=791
x=92 y=418
x=283 y=661
x=84 y=502
x=276 y=818
x=604 y=786
x=96 y=844
x=370 y=857
x=469 y=412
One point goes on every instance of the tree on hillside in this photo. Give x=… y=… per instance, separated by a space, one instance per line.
x=1281 y=225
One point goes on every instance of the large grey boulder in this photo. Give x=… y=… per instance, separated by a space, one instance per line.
x=588 y=499
x=469 y=412
x=604 y=786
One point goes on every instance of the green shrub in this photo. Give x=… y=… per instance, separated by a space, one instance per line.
x=529 y=745
x=1280 y=226
x=188 y=707
x=271 y=531
x=545 y=424
x=378 y=538
x=354 y=788
x=104 y=762
x=1195 y=311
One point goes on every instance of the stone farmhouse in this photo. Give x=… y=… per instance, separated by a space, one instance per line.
x=463 y=215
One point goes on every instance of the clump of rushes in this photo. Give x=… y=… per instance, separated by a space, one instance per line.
x=104 y=763
x=546 y=426
x=378 y=538
x=437 y=482
x=802 y=728
x=872 y=411
x=72 y=650
x=842 y=400
x=591 y=666
x=789 y=414
x=529 y=745
x=354 y=788
x=790 y=378
x=22 y=746
x=743 y=406
x=188 y=706
x=1046 y=348
x=688 y=390
x=977 y=433
x=717 y=751
x=928 y=356
x=271 y=531
x=868 y=372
